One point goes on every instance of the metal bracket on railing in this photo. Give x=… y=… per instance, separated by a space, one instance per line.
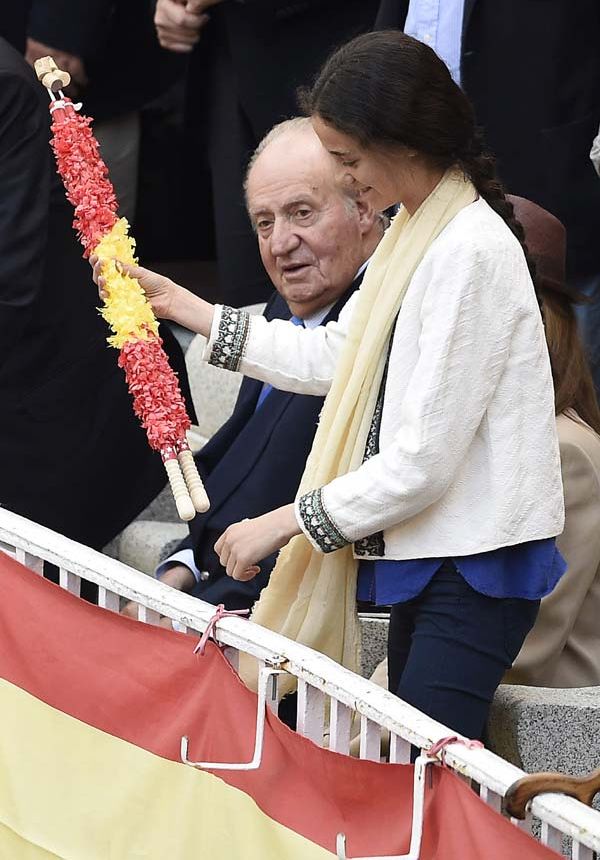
x=265 y=675
x=421 y=765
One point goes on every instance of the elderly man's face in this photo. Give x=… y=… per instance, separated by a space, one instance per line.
x=310 y=235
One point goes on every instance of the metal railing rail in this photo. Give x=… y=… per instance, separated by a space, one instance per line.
x=319 y=679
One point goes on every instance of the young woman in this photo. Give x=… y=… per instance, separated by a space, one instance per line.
x=435 y=469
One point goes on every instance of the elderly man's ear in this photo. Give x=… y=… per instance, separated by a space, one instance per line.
x=368 y=216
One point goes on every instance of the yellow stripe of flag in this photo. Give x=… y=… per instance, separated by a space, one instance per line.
x=71 y=791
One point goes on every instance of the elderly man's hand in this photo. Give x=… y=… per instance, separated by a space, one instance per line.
x=178 y=23
x=244 y=544
x=178 y=576
x=130 y=610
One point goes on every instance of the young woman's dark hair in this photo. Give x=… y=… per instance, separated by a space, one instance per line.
x=573 y=383
x=419 y=107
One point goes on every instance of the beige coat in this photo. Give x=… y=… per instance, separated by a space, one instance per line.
x=563 y=649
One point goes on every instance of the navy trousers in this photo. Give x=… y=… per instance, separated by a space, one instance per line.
x=449 y=647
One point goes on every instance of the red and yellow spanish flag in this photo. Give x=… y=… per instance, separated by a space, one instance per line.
x=92 y=710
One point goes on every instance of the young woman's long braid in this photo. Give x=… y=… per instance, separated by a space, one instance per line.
x=480 y=167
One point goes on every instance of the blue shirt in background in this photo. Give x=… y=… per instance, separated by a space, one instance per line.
x=438 y=23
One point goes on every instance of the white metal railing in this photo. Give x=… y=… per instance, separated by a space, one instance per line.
x=321 y=681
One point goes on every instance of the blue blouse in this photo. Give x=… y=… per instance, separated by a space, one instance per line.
x=528 y=570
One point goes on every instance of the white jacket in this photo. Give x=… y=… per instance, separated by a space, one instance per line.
x=469 y=457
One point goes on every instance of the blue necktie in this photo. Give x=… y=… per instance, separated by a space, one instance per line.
x=266 y=389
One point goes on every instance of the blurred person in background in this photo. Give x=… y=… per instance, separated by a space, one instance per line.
x=532 y=72
x=13 y=23
x=110 y=49
x=563 y=648
x=247 y=62
x=72 y=454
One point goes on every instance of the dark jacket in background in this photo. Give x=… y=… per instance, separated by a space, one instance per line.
x=252 y=465
x=72 y=455
x=532 y=70
x=13 y=22
x=117 y=41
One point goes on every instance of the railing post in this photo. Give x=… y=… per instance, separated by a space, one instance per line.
x=370 y=739
x=148 y=616
x=340 y=724
x=108 y=599
x=69 y=581
x=399 y=750
x=551 y=837
x=31 y=561
x=491 y=798
x=581 y=852
x=311 y=718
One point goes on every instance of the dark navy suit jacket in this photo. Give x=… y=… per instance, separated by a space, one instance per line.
x=253 y=465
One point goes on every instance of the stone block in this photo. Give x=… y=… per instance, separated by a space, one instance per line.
x=540 y=729
x=374 y=633
x=144 y=544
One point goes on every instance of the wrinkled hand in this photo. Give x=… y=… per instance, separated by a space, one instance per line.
x=66 y=62
x=244 y=544
x=178 y=23
x=130 y=610
x=159 y=290
x=179 y=576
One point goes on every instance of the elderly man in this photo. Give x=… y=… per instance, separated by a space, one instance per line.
x=249 y=59
x=314 y=241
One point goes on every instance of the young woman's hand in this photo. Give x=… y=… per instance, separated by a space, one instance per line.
x=169 y=300
x=160 y=291
x=244 y=544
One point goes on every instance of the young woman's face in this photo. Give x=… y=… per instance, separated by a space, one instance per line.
x=381 y=178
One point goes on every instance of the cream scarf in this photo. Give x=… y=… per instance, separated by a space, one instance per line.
x=311 y=596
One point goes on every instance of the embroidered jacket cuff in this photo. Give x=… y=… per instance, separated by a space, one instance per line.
x=316 y=523
x=228 y=337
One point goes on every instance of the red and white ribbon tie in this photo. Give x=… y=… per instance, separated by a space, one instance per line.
x=437 y=750
x=221 y=612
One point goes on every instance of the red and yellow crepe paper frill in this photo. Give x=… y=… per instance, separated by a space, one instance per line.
x=157 y=398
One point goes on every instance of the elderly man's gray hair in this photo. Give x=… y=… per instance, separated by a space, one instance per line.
x=288 y=126
x=297 y=123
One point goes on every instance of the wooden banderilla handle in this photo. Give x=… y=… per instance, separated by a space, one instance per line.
x=53 y=78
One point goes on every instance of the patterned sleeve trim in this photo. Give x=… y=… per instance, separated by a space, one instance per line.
x=230 y=344
x=318 y=524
